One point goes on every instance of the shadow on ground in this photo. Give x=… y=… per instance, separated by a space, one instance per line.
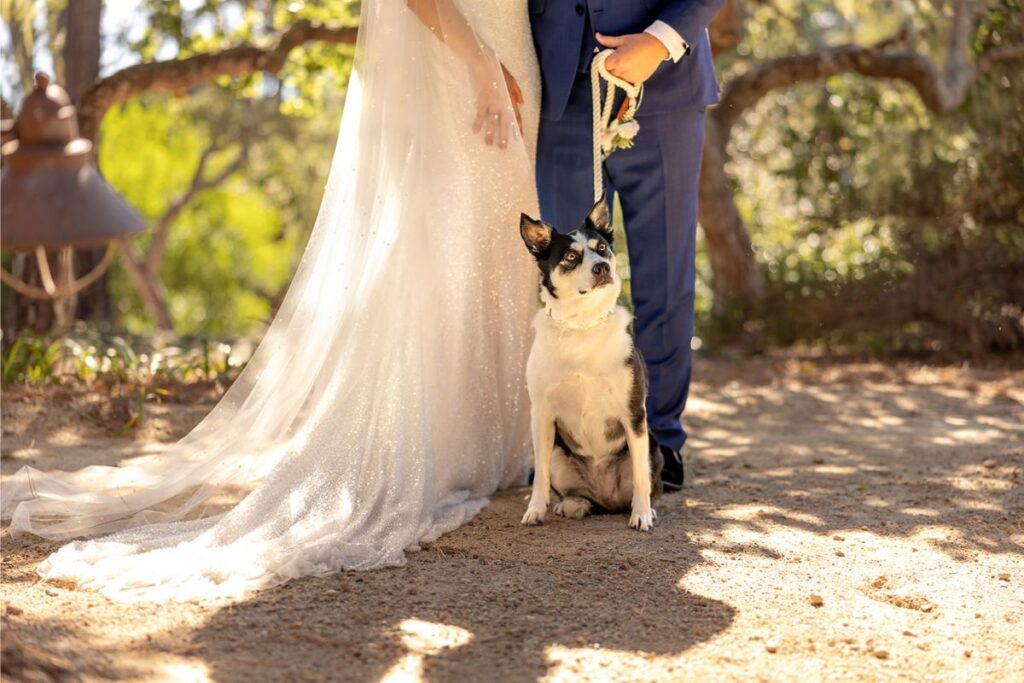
x=470 y=608
x=933 y=457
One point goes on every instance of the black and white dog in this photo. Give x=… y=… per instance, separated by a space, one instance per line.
x=587 y=382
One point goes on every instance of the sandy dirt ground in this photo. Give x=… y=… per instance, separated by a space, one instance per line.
x=844 y=521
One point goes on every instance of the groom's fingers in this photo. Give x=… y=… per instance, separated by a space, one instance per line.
x=614 y=61
x=610 y=41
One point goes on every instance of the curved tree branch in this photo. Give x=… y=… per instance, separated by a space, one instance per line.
x=941 y=89
x=177 y=75
x=736 y=271
x=200 y=183
x=940 y=93
x=1003 y=53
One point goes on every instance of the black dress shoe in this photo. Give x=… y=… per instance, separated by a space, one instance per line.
x=672 y=474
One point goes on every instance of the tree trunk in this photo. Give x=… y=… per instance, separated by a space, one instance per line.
x=154 y=297
x=24 y=313
x=736 y=277
x=82 y=47
x=728 y=27
x=82 y=67
x=737 y=284
x=19 y=16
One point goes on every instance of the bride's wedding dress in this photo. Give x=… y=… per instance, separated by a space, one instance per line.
x=386 y=401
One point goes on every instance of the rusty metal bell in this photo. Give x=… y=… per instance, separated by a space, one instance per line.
x=52 y=194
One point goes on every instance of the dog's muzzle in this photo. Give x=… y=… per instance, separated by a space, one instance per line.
x=602 y=274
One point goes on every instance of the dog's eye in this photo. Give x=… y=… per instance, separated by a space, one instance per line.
x=571 y=256
x=601 y=248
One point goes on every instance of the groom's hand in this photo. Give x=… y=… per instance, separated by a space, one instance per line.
x=637 y=55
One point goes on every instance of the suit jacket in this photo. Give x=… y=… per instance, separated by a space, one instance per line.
x=564 y=47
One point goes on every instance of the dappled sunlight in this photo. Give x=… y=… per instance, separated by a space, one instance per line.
x=971 y=436
x=428 y=638
x=186 y=670
x=853 y=507
x=835 y=469
x=575 y=663
x=980 y=505
x=876 y=596
x=919 y=512
x=1003 y=424
x=423 y=639
x=698 y=443
x=888 y=454
x=712 y=435
x=880 y=422
x=148 y=641
x=708 y=407
x=776 y=472
x=813 y=537
x=946 y=392
x=81 y=427
x=754 y=512
x=818 y=393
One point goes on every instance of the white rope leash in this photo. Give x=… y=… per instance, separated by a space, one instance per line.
x=603 y=111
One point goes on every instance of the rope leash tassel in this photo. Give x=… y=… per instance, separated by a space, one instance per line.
x=609 y=134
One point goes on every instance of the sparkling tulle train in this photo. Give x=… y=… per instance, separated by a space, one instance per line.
x=386 y=400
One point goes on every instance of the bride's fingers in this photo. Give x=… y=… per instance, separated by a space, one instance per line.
x=481 y=114
x=493 y=123
x=506 y=131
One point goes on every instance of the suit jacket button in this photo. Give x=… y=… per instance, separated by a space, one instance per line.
x=580 y=10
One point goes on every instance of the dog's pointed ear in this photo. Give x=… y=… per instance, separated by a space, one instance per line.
x=536 y=234
x=600 y=219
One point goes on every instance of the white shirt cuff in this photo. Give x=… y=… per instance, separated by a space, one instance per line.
x=670 y=38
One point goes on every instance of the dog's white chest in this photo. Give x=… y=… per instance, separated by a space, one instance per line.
x=588 y=407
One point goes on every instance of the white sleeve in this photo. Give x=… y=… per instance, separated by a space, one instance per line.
x=670 y=38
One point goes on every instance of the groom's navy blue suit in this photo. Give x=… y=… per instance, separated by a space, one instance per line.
x=656 y=179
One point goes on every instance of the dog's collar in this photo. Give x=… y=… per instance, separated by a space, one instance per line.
x=567 y=325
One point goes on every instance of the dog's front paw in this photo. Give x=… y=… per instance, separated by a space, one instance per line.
x=534 y=514
x=573 y=508
x=642 y=518
x=533 y=517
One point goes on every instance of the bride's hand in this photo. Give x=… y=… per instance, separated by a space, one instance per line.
x=493 y=115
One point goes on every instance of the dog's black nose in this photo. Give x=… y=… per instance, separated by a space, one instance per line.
x=601 y=268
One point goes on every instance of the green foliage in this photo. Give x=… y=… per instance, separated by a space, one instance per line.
x=89 y=354
x=311 y=74
x=226 y=244
x=879 y=224
x=129 y=370
x=232 y=249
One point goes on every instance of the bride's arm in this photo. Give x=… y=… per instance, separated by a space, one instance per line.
x=450 y=26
